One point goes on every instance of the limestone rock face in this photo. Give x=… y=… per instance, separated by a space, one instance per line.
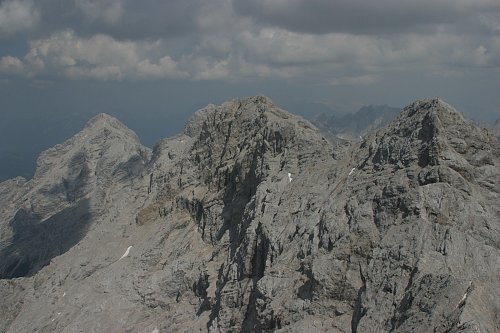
x=251 y=221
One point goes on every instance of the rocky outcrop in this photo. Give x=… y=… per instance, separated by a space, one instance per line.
x=250 y=220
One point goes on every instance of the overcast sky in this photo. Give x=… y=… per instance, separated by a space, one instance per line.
x=166 y=57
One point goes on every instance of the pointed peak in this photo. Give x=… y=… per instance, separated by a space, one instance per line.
x=435 y=106
x=103 y=119
x=428 y=113
x=101 y=133
x=431 y=132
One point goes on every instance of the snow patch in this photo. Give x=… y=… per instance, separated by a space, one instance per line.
x=352 y=171
x=463 y=298
x=290 y=177
x=64 y=294
x=126 y=253
x=155 y=331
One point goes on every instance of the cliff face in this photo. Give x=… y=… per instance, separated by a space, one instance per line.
x=251 y=220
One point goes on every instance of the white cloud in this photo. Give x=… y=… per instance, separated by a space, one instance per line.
x=282 y=47
x=165 y=67
x=244 y=51
x=11 y=65
x=204 y=68
x=17 y=16
x=100 y=57
x=347 y=59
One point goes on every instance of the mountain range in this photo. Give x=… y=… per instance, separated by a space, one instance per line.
x=358 y=124
x=252 y=220
x=496 y=128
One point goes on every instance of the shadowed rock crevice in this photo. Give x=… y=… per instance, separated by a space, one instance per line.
x=200 y=290
x=237 y=197
x=359 y=310
x=36 y=242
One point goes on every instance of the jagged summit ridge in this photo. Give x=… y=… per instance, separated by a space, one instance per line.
x=251 y=221
x=249 y=108
x=432 y=132
x=435 y=105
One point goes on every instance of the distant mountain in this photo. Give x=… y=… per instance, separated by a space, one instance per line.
x=25 y=136
x=310 y=110
x=496 y=129
x=351 y=126
x=250 y=221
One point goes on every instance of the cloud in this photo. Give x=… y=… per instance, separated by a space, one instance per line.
x=99 y=57
x=363 y=17
x=164 y=67
x=127 y=19
x=102 y=57
x=334 y=58
x=340 y=55
x=354 y=80
x=109 y=12
x=11 y=65
x=331 y=42
x=17 y=16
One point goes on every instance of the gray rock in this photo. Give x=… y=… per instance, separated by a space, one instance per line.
x=252 y=221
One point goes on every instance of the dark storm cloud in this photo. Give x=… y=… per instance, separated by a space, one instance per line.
x=131 y=19
x=363 y=17
x=123 y=19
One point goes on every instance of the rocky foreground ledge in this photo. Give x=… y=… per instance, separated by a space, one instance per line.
x=251 y=221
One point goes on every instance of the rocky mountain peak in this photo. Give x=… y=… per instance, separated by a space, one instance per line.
x=72 y=181
x=431 y=132
x=247 y=222
x=103 y=121
x=103 y=140
x=253 y=109
x=433 y=105
x=244 y=131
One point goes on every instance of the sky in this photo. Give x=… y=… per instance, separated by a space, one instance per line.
x=152 y=63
